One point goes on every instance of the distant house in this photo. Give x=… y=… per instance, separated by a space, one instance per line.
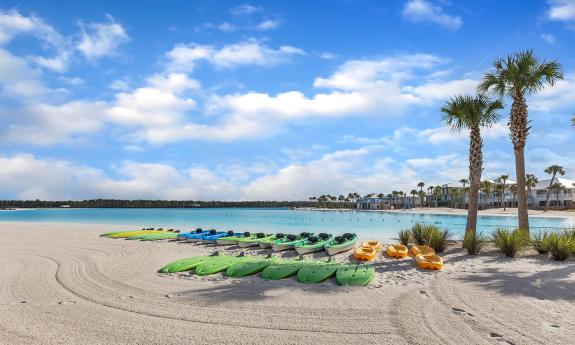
x=388 y=202
x=65 y=206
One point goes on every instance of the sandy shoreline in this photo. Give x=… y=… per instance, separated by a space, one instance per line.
x=460 y=212
x=62 y=284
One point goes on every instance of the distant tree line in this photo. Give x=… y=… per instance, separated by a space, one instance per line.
x=112 y=203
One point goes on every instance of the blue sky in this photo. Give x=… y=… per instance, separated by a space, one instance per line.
x=236 y=100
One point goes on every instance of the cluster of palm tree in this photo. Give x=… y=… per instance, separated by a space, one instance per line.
x=513 y=77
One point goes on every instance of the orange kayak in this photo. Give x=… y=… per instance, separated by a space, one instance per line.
x=372 y=244
x=365 y=253
x=429 y=261
x=397 y=251
x=423 y=249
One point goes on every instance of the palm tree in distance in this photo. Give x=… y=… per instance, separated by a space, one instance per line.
x=421 y=197
x=531 y=181
x=487 y=188
x=513 y=190
x=466 y=113
x=413 y=194
x=517 y=75
x=464 y=181
x=498 y=188
x=557 y=188
x=552 y=170
x=503 y=180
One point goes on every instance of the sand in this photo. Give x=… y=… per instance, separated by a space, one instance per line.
x=62 y=284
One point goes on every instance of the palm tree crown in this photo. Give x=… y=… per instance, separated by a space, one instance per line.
x=465 y=112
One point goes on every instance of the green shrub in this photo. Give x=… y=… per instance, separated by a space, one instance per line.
x=418 y=234
x=561 y=245
x=404 y=236
x=540 y=242
x=510 y=241
x=438 y=238
x=473 y=241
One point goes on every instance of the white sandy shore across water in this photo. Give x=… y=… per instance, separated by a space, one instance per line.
x=62 y=284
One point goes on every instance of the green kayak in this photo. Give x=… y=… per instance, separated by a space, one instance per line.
x=233 y=239
x=283 y=269
x=246 y=242
x=361 y=274
x=218 y=265
x=341 y=244
x=289 y=241
x=317 y=272
x=156 y=237
x=250 y=266
x=187 y=264
x=106 y=234
x=269 y=241
x=313 y=244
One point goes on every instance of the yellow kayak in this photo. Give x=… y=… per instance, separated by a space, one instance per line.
x=136 y=233
x=365 y=254
x=372 y=244
x=429 y=261
x=422 y=249
x=397 y=251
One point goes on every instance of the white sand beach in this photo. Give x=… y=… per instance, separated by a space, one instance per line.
x=62 y=284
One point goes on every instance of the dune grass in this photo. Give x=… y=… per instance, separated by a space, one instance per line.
x=510 y=242
x=473 y=241
x=404 y=236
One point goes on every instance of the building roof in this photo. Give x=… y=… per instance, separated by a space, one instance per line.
x=544 y=184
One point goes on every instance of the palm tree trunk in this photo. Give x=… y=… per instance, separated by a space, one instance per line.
x=475 y=163
x=519 y=128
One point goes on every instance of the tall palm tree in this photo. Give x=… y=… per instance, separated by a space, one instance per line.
x=503 y=179
x=531 y=181
x=513 y=190
x=487 y=188
x=517 y=75
x=557 y=188
x=413 y=194
x=499 y=192
x=421 y=197
x=471 y=114
x=552 y=170
x=437 y=193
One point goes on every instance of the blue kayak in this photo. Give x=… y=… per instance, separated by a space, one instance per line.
x=213 y=238
x=192 y=234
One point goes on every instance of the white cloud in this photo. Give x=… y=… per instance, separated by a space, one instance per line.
x=18 y=79
x=245 y=10
x=225 y=26
x=443 y=135
x=327 y=55
x=561 y=10
x=549 y=38
x=98 y=40
x=43 y=124
x=185 y=57
x=425 y=11
x=560 y=97
x=269 y=24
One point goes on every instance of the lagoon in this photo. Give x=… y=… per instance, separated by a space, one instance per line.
x=380 y=225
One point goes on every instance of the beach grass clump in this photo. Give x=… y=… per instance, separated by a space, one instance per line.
x=418 y=234
x=404 y=236
x=510 y=241
x=473 y=241
x=540 y=241
x=437 y=238
x=560 y=245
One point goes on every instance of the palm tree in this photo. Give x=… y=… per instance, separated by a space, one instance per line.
x=437 y=193
x=464 y=181
x=421 y=185
x=557 y=188
x=312 y=198
x=514 y=77
x=421 y=196
x=513 y=190
x=530 y=182
x=487 y=188
x=552 y=170
x=471 y=114
x=413 y=194
x=503 y=179
x=499 y=192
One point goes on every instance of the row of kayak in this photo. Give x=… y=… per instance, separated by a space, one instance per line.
x=273 y=268
x=303 y=243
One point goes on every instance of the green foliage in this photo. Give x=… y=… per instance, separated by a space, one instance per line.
x=561 y=245
x=540 y=242
x=430 y=234
x=404 y=236
x=510 y=241
x=473 y=241
x=418 y=234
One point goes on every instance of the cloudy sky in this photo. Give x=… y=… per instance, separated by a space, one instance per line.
x=274 y=100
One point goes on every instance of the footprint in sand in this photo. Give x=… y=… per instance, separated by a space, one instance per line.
x=461 y=311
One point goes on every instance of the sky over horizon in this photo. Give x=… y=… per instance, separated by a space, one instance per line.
x=276 y=100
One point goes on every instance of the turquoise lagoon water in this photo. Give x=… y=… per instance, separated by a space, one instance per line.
x=381 y=225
